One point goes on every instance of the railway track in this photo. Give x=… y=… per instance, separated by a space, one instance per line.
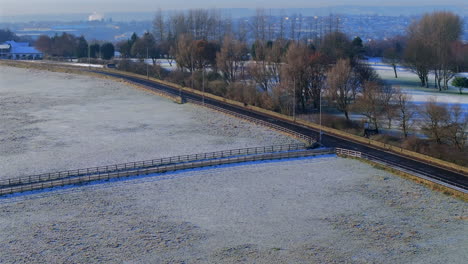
x=412 y=165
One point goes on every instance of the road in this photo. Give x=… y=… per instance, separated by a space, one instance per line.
x=429 y=170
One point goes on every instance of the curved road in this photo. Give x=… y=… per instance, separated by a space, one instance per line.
x=441 y=174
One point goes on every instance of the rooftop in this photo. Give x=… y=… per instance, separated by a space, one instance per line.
x=19 y=47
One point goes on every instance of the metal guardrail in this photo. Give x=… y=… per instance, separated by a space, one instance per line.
x=148 y=163
x=347 y=152
x=204 y=160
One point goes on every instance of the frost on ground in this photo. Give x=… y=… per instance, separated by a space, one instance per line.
x=315 y=210
x=55 y=121
x=409 y=83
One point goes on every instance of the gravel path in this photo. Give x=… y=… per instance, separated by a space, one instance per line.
x=55 y=121
x=316 y=210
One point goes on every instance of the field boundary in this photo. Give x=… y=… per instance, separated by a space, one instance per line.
x=437 y=184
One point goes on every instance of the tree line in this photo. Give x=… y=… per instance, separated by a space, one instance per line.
x=295 y=75
x=431 y=45
x=70 y=46
x=276 y=66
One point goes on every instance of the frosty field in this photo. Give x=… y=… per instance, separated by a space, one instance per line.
x=316 y=210
x=55 y=121
x=310 y=210
x=409 y=83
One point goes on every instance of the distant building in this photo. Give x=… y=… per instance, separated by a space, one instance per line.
x=95 y=17
x=19 y=51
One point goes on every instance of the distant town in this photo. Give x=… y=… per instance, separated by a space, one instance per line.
x=102 y=28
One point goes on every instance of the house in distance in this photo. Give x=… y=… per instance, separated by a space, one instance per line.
x=19 y=51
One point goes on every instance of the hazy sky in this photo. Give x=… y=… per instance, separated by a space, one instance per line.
x=14 y=7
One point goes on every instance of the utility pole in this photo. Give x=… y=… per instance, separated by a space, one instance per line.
x=320 y=116
x=203 y=85
x=294 y=100
x=146 y=62
x=89 y=55
x=191 y=68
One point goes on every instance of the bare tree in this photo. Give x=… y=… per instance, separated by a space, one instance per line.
x=44 y=44
x=230 y=59
x=341 y=83
x=317 y=74
x=281 y=32
x=274 y=55
x=259 y=70
x=184 y=53
x=430 y=42
x=159 y=26
x=146 y=46
x=259 y=74
x=293 y=26
x=336 y=45
x=457 y=126
x=393 y=55
x=370 y=103
x=296 y=68
x=405 y=111
x=242 y=31
x=205 y=54
x=258 y=25
x=443 y=29
x=435 y=116
x=418 y=59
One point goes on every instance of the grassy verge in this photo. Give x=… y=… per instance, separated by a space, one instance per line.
x=432 y=185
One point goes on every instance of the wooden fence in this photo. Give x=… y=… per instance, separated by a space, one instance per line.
x=347 y=152
x=49 y=180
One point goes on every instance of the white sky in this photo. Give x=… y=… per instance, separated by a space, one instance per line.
x=16 y=7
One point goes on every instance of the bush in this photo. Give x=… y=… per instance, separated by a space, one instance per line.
x=179 y=77
x=387 y=139
x=155 y=71
x=340 y=123
x=460 y=82
x=217 y=87
x=440 y=151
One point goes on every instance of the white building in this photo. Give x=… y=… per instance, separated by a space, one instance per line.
x=19 y=51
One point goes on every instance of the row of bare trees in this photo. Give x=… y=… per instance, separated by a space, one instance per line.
x=432 y=45
x=295 y=75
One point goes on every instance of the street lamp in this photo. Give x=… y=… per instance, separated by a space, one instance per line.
x=146 y=62
x=203 y=85
x=89 y=55
x=320 y=116
x=192 y=69
x=294 y=100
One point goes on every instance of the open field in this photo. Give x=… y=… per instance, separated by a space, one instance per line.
x=316 y=210
x=409 y=83
x=56 y=121
x=312 y=210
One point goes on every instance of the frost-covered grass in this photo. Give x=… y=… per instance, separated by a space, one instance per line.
x=56 y=121
x=309 y=210
x=409 y=83
x=313 y=210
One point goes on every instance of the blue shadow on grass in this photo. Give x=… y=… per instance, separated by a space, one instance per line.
x=158 y=176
